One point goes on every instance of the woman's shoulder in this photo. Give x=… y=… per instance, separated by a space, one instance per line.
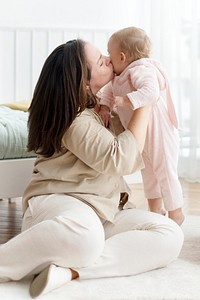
x=88 y=115
x=87 y=121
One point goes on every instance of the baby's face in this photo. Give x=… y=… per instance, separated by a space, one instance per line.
x=115 y=56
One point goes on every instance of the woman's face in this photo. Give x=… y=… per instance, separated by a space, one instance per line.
x=101 y=68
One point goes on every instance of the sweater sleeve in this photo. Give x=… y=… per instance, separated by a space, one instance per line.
x=96 y=147
x=145 y=82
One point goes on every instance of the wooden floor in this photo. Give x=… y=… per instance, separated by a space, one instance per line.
x=11 y=213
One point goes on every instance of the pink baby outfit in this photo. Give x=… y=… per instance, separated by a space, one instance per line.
x=143 y=81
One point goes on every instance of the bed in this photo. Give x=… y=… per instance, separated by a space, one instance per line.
x=16 y=163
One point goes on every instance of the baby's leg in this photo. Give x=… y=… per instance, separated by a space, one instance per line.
x=161 y=159
x=152 y=188
x=156 y=205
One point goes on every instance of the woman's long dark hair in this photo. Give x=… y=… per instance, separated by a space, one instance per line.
x=59 y=96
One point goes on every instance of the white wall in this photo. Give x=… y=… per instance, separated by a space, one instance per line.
x=22 y=52
x=87 y=14
x=71 y=13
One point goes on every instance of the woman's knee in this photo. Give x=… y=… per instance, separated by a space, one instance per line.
x=85 y=243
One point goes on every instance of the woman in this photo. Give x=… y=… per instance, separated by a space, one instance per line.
x=74 y=223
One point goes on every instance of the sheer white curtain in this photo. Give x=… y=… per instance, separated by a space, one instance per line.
x=174 y=28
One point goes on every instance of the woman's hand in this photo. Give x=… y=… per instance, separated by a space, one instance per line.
x=104 y=113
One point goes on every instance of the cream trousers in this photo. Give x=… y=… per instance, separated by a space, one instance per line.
x=61 y=230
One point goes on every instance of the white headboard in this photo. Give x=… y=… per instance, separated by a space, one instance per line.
x=24 y=50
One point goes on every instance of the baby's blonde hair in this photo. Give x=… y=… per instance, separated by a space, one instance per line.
x=133 y=41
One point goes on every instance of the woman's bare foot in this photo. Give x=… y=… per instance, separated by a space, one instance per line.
x=177 y=216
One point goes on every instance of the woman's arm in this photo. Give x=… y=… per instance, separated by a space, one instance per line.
x=90 y=142
x=138 y=125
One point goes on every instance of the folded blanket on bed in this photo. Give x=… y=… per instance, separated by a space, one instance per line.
x=19 y=105
x=13 y=133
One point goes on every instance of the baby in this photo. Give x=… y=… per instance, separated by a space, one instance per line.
x=139 y=81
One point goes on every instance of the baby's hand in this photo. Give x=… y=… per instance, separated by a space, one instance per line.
x=120 y=101
x=104 y=113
